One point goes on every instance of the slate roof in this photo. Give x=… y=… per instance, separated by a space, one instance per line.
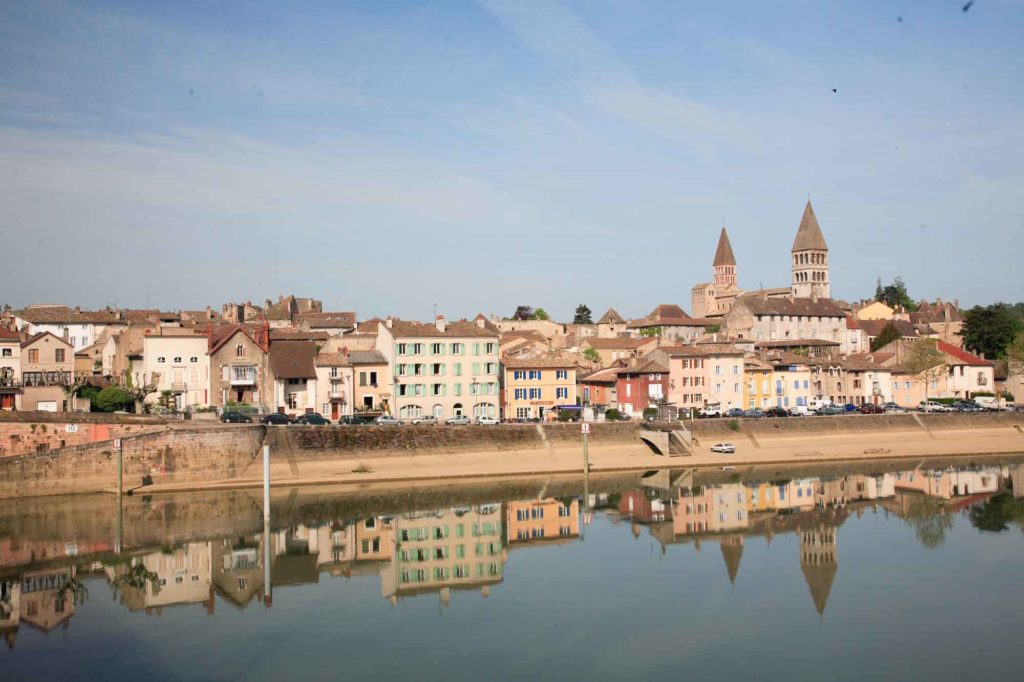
x=724 y=255
x=293 y=359
x=808 y=235
x=801 y=307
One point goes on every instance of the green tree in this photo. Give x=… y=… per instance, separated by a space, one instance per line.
x=998 y=513
x=888 y=334
x=523 y=312
x=895 y=294
x=592 y=355
x=650 y=331
x=583 y=315
x=930 y=520
x=1015 y=355
x=712 y=328
x=540 y=314
x=112 y=399
x=990 y=329
x=925 y=362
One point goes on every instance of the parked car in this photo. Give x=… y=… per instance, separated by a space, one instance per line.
x=275 y=418
x=727 y=448
x=932 y=406
x=799 y=411
x=710 y=411
x=871 y=408
x=850 y=407
x=387 y=420
x=968 y=406
x=776 y=412
x=735 y=413
x=987 y=402
x=312 y=419
x=893 y=407
x=354 y=420
x=460 y=420
x=754 y=414
x=235 y=418
x=487 y=421
x=828 y=410
x=425 y=419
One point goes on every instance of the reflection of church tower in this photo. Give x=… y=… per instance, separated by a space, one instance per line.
x=818 y=562
x=810 y=259
x=725 y=261
x=732 y=552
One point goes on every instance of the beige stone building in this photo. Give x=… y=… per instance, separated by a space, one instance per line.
x=669 y=322
x=714 y=298
x=10 y=369
x=239 y=366
x=787 y=319
x=47 y=372
x=175 y=360
x=444 y=369
x=293 y=377
x=810 y=259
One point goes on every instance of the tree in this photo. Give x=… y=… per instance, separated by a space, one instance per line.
x=523 y=312
x=989 y=330
x=895 y=295
x=592 y=355
x=582 y=315
x=540 y=314
x=888 y=334
x=998 y=513
x=930 y=520
x=712 y=328
x=650 y=331
x=112 y=399
x=925 y=362
x=1015 y=355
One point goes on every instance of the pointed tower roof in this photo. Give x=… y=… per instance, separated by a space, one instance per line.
x=723 y=255
x=611 y=317
x=732 y=552
x=819 y=578
x=808 y=235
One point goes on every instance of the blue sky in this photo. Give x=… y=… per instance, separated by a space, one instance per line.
x=387 y=157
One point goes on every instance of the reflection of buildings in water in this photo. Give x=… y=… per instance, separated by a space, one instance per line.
x=238 y=569
x=644 y=506
x=818 y=562
x=1015 y=474
x=711 y=509
x=948 y=483
x=538 y=520
x=448 y=549
x=183 y=575
x=18 y=551
x=10 y=610
x=46 y=600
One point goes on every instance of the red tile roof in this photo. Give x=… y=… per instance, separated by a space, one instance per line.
x=962 y=356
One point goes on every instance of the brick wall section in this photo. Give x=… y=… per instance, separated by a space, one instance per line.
x=29 y=432
x=166 y=455
x=325 y=442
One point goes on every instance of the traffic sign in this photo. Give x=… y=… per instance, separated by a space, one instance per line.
x=585 y=427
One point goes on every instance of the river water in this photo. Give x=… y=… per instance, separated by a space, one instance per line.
x=873 y=571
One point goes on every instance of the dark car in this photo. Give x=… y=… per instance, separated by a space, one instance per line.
x=830 y=410
x=235 y=418
x=275 y=418
x=354 y=420
x=776 y=412
x=968 y=406
x=735 y=412
x=312 y=419
x=849 y=407
x=870 y=408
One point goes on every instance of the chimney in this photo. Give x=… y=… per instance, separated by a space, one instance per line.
x=388 y=322
x=440 y=324
x=481 y=321
x=764 y=295
x=814 y=295
x=77 y=309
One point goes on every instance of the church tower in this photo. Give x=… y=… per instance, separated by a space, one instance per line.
x=810 y=259
x=725 y=262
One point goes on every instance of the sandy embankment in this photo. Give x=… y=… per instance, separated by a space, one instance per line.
x=815 y=440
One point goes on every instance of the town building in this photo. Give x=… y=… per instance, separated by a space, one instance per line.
x=599 y=388
x=710 y=374
x=175 y=363
x=536 y=387
x=787 y=319
x=10 y=369
x=293 y=377
x=791 y=376
x=757 y=391
x=239 y=366
x=47 y=373
x=714 y=298
x=78 y=327
x=642 y=384
x=444 y=369
x=669 y=322
x=611 y=324
x=810 y=258
x=540 y=520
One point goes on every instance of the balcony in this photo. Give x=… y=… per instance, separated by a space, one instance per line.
x=243 y=375
x=46 y=379
x=178 y=386
x=10 y=385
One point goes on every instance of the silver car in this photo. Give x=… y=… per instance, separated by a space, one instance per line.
x=460 y=420
x=387 y=420
x=425 y=419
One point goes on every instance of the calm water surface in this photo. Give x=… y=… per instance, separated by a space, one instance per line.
x=861 y=573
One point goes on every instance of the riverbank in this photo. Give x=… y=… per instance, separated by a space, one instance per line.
x=222 y=457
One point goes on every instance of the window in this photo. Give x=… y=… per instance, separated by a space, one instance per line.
x=518 y=374
x=476 y=349
x=417 y=349
x=193 y=359
x=520 y=394
x=457 y=369
x=491 y=348
x=403 y=349
x=458 y=349
x=7 y=352
x=33 y=355
x=437 y=349
x=161 y=360
x=177 y=360
x=535 y=394
x=535 y=374
x=561 y=392
x=564 y=374
x=58 y=355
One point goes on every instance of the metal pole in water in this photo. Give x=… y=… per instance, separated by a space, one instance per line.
x=266 y=483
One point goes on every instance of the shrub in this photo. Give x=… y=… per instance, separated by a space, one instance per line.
x=733 y=424
x=112 y=399
x=651 y=413
x=612 y=415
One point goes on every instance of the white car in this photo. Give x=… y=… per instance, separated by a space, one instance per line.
x=425 y=419
x=727 y=448
x=457 y=421
x=487 y=421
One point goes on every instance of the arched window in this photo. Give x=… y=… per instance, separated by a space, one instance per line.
x=457 y=410
x=439 y=411
x=410 y=412
x=177 y=360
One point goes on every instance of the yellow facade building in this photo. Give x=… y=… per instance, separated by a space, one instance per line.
x=757 y=385
x=535 y=386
